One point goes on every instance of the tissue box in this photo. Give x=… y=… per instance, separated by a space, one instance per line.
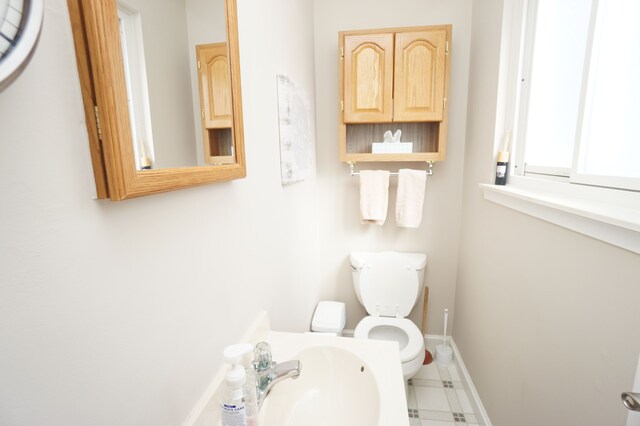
x=392 y=148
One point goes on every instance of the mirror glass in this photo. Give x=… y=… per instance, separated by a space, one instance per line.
x=178 y=82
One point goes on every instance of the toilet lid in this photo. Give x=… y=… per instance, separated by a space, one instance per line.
x=389 y=285
x=414 y=340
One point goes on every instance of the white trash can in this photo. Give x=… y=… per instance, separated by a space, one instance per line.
x=329 y=318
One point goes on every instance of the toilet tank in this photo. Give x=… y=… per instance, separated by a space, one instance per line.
x=401 y=262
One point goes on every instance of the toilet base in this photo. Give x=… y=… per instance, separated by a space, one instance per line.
x=411 y=368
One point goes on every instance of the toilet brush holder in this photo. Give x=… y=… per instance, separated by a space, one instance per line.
x=444 y=355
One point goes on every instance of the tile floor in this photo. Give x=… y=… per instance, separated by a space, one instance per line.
x=438 y=396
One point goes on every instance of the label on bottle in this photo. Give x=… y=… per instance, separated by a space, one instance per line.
x=501 y=170
x=233 y=415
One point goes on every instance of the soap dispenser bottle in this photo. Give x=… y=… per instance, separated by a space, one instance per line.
x=232 y=406
x=239 y=401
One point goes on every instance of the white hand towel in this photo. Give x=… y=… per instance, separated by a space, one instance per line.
x=410 y=198
x=374 y=196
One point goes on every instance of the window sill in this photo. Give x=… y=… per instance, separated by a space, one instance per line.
x=605 y=214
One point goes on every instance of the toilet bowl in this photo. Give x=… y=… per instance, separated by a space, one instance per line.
x=404 y=331
x=388 y=284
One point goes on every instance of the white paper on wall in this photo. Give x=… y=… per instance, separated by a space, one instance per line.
x=295 y=131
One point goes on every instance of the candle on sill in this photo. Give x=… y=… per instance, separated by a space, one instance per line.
x=502 y=168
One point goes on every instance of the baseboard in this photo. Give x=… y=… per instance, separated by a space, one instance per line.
x=472 y=388
x=347 y=332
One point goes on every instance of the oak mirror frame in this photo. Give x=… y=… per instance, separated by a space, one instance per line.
x=100 y=67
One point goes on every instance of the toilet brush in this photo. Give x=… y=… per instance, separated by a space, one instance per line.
x=444 y=334
x=444 y=354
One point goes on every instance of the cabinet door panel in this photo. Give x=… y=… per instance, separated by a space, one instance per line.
x=419 y=75
x=215 y=85
x=368 y=77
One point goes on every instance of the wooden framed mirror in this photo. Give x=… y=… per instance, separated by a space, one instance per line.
x=129 y=110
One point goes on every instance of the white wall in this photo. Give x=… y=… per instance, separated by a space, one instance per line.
x=117 y=313
x=341 y=231
x=545 y=317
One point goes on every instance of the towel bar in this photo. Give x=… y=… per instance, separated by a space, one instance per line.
x=352 y=169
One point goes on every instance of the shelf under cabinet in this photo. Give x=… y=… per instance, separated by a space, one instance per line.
x=360 y=137
x=220 y=145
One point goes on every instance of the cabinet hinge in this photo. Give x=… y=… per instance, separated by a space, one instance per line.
x=97 y=114
x=446 y=47
x=444 y=104
x=202 y=113
x=198 y=64
x=341 y=105
x=342 y=52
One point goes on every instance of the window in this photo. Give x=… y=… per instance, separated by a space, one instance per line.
x=579 y=98
x=573 y=102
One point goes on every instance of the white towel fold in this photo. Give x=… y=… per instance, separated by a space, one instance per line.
x=374 y=196
x=410 y=198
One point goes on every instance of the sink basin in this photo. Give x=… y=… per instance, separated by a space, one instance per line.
x=335 y=387
x=343 y=381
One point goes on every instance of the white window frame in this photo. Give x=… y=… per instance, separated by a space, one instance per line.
x=627 y=183
x=523 y=49
x=526 y=18
x=603 y=213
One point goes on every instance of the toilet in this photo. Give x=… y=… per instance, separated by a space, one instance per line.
x=388 y=284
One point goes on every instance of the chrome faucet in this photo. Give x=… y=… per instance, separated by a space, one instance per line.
x=268 y=373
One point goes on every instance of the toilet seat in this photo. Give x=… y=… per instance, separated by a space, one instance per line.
x=415 y=341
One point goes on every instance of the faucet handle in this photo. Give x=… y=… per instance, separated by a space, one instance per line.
x=262 y=357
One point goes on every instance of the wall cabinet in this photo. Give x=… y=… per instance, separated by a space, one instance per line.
x=215 y=102
x=394 y=79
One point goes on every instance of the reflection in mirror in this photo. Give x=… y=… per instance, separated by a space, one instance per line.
x=178 y=83
x=215 y=99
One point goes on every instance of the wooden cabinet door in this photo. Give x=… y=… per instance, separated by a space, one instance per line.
x=419 y=75
x=215 y=85
x=368 y=78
